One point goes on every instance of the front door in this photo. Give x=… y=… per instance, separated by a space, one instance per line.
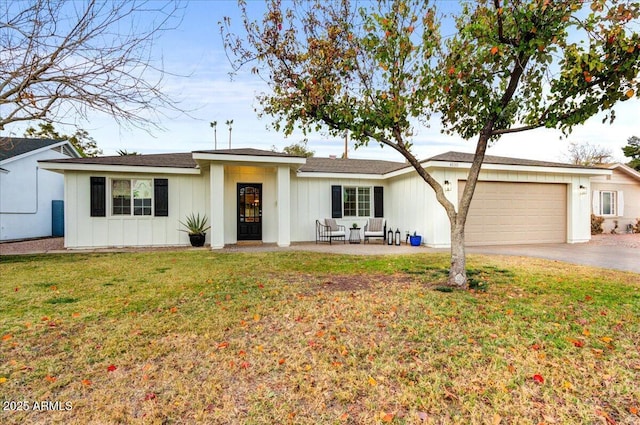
x=249 y=211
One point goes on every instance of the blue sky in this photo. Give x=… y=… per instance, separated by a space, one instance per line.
x=195 y=50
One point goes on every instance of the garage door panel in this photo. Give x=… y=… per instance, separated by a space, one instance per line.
x=516 y=213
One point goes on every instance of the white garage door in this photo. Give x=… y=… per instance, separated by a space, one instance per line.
x=516 y=213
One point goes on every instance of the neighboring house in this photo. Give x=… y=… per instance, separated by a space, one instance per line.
x=616 y=197
x=26 y=190
x=251 y=194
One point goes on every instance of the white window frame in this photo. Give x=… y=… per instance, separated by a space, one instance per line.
x=132 y=207
x=614 y=203
x=358 y=203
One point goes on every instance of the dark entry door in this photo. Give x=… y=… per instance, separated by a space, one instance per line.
x=249 y=211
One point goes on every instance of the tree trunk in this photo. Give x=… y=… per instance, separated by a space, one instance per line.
x=458 y=271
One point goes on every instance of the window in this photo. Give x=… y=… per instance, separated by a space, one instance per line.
x=131 y=195
x=607 y=203
x=137 y=196
x=357 y=202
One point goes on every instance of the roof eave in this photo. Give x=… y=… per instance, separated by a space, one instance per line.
x=626 y=169
x=330 y=175
x=140 y=169
x=510 y=167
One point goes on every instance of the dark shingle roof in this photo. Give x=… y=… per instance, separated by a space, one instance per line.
x=500 y=160
x=248 y=152
x=174 y=160
x=350 y=166
x=14 y=146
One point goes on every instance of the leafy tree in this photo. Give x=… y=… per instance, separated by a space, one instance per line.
x=374 y=68
x=63 y=58
x=588 y=154
x=81 y=140
x=298 y=149
x=632 y=150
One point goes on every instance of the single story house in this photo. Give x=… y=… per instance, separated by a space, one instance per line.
x=26 y=190
x=616 y=197
x=251 y=194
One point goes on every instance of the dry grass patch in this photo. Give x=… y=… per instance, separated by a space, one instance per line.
x=198 y=337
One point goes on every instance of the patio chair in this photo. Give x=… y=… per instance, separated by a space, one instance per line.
x=329 y=231
x=375 y=228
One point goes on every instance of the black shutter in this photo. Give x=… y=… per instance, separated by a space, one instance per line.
x=336 y=201
x=98 y=197
x=161 y=197
x=378 y=201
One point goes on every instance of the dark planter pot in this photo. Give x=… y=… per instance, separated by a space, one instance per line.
x=197 y=240
x=415 y=240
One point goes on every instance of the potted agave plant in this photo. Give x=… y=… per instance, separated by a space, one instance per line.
x=197 y=228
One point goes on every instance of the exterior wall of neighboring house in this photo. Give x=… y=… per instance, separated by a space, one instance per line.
x=186 y=193
x=415 y=207
x=26 y=192
x=311 y=201
x=623 y=190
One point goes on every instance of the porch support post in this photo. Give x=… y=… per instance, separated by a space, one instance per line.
x=284 y=206
x=217 y=206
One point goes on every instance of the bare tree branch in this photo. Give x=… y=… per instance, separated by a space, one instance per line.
x=60 y=59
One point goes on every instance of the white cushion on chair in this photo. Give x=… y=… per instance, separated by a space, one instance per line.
x=337 y=233
x=376 y=225
x=332 y=223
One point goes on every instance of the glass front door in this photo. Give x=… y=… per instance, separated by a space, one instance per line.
x=249 y=211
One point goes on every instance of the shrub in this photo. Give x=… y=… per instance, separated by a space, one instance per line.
x=596 y=224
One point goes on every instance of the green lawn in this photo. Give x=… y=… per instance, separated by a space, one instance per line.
x=302 y=338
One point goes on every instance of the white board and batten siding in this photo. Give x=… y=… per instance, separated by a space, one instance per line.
x=187 y=194
x=311 y=201
x=563 y=213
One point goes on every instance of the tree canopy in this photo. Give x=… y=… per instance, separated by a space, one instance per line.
x=500 y=67
x=632 y=150
x=81 y=140
x=588 y=154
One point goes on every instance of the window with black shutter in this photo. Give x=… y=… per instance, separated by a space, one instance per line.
x=336 y=201
x=161 y=197
x=378 y=201
x=98 y=196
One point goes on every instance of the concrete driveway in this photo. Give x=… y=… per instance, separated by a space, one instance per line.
x=615 y=257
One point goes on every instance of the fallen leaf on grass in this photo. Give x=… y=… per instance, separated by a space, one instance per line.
x=3 y=380
x=606 y=339
x=49 y=378
x=538 y=378
x=223 y=344
x=496 y=419
x=149 y=396
x=577 y=342
x=372 y=381
x=281 y=361
x=7 y=337
x=111 y=368
x=633 y=410
x=86 y=382
x=386 y=417
x=535 y=347
x=344 y=417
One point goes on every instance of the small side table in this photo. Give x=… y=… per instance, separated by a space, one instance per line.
x=354 y=235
